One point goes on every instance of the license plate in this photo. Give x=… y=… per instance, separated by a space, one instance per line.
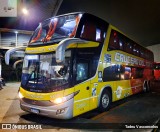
x=35 y=110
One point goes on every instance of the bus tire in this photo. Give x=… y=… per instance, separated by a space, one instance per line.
x=105 y=101
x=148 y=86
x=145 y=87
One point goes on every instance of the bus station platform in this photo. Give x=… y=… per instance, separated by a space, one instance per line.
x=141 y=109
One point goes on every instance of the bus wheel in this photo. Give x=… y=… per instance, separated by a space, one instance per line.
x=105 y=101
x=148 y=86
x=145 y=87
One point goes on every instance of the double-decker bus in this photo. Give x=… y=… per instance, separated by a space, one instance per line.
x=78 y=62
x=157 y=70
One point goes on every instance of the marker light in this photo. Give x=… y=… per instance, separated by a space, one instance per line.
x=20 y=95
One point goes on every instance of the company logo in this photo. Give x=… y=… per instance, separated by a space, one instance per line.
x=119 y=92
x=131 y=60
x=34 y=102
x=33 y=96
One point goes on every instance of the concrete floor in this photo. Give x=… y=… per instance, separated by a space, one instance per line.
x=137 y=109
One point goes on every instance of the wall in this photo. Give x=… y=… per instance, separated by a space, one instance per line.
x=156 y=51
x=9 y=39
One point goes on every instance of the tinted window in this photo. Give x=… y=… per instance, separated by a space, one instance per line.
x=129 y=47
x=111 y=73
x=137 y=73
x=116 y=72
x=88 y=31
x=86 y=63
x=91 y=31
x=126 y=73
x=82 y=72
x=114 y=41
x=118 y=41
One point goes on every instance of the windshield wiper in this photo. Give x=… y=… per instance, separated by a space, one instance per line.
x=50 y=41
x=54 y=39
x=58 y=37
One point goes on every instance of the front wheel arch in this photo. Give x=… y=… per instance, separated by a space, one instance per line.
x=105 y=100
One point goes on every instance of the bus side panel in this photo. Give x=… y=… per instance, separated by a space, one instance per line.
x=81 y=100
x=157 y=74
x=122 y=89
x=137 y=85
x=148 y=74
x=93 y=95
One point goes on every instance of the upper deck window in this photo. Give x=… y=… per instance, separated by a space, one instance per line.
x=119 y=41
x=114 y=41
x=56 y=29
x=91 y=32
x=92 y=29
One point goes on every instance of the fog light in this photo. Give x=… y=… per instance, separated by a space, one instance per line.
x=61 y=111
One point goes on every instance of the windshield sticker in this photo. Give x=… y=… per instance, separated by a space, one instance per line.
x=100 y=76
x=119 y=92
x=95 y=84
x=107 y=58
x=93 y=91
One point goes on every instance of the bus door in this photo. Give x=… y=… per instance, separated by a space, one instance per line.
x=82 y=87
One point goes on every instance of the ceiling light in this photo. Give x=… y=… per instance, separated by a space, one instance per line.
x=25 y=11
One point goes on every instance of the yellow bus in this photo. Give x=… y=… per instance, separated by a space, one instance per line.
x=78 y=62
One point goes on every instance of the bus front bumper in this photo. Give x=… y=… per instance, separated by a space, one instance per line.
x=60 y=111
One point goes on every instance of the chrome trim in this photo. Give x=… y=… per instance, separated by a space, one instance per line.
x=60 y=50
x=51 y=111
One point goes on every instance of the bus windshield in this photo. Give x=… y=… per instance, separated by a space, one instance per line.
x=55 y=29
x=41 y=73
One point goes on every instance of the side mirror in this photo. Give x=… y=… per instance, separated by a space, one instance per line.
x=15 y=64
x=60 y=51
x=11 y=51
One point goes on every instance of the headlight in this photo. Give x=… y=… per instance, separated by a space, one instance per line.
x=20 y=95
x=58 y=100
x=64 y=99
